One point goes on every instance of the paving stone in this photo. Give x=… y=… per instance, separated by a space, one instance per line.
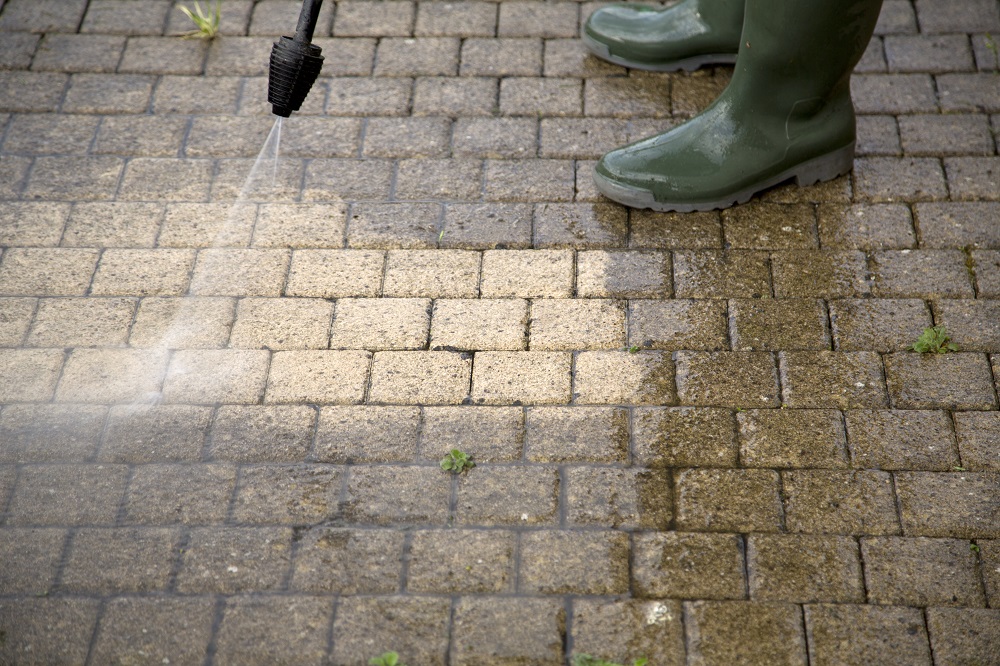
x=163 y=179
x=963 y=634
x=50 y=433
x=882 y=324
x=223 y=136
x=878 y=135
x=689 y=565
x=978 y=436
x=710 y=274
x=161 y=55
x=793 y=438
x=457 y=97
x=527 y=274
x=78 y=53
x=394 y=225
x=804 y=568
x=367 y=434
x=509 y=495
x=219 y=272
x=31 y=557
x=576 y=434
x=770 y=226
x=74 y=178
x=521 y=377
x=428 y=56
x=532 y=96
x=130 y=376
x=274 y=629
x=15 y=318
x=563 y=324
x=397 y=323
x=154 y=433
x=691 y=93
x=113 y=224
x=276 y=17
x=614 y=377
x=570 y=57
x=529 y=180
x=208 y=376
x=973 y=178
x=888 y=179
x=154 y=628
x=580 y=137
x=374 y=19
x=339 y=179
x=488 y=434
x=822 y=379
x=506 y=56
x=729 y=632
x=486 y=226
x=461 y=561
x=300 y=225
x=921 y=572
x=316 y=376
x=271 y=323
x=15 y=172
x=207 y=225
x=948 y=225
x=472 y=324
x=616 y=629
x=849 y=634
x=191 y=323
x=684 y=437
x=580 y=226
x=778 y=324
x=145 y=17
x=67 y=495
x=335 y=273
x=420 y=495
x=455 y=19
x=190 y=94
x=628 y=97
x=963 y=16
x=894 y=93
x=29 y=375
x=531 y=19
x=901 y=439
x=925 y=53
x=442 y=180
x=623 y=274
x=498 y=630
x=237 y=55
x=574 y=562
x=820 y=274
x=727 y=500
x=179 y=494
x=43 y=15
x=287 y=494
x=159 y=272
x=230 y=560
x=407 y=137
x=47 y=630
x=369 y=96
x=955 y=504
x=108 y=93
x=989 y=555
x=946 y=135
x=119 y=560
x=939 y=381
x=677 y=324
x=716 y=379
x=262 y=433
x=32 y=224
x=43 y=134
x=81 y=322
x=420 y=377
x=416 y=627
x=348 y=561
x=921 y=274
x=987 y=269
x=621 y=498
x=30 y=91
x=18 y=50
x=966 y=93
x=835 y=502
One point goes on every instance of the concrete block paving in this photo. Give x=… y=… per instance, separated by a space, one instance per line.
x=699 y=438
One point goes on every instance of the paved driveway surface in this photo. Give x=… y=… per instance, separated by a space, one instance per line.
x=699 y=438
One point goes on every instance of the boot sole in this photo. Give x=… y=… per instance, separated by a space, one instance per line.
x=684 y=65
x=819 y=169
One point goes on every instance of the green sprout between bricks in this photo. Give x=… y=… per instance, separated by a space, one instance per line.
x=385 y=659
x=457 y=462
x=207 y=23
x=934 y=340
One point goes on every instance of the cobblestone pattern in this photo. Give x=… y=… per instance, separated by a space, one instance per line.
x=700 y=438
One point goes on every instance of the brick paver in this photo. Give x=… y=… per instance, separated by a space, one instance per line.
x=700 y=438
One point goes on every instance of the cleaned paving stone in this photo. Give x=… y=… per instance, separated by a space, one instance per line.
x=623 y=498
x=48 y=630
x=576 y=434
x=458 y=561
x=156 y=628
x=616 y=630
x=154 y=433
x=32 y=558
x=508 y=630
x=119 y=560
x=689 y=565
x=348 y=561
x=489 y=434
x=367 y=434
x=250 y=631
x=50 y=433
x=179 y=494
x=804 y=568
x=230 y=560
x=574 y=562
x=415 y=626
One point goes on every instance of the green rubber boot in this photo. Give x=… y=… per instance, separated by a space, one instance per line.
x=685 y=36
x=786 y=114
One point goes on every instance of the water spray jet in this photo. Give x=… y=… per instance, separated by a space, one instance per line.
x=295 y=64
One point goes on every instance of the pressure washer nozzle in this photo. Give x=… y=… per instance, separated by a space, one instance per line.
x=294 y=68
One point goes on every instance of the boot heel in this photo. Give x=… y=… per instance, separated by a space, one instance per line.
x=826 y=167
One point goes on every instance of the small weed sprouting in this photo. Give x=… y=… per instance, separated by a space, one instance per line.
x=991 y=44
x=587 y=660
x=958 y=468
x=934 y=340
x=208 y=24
x=385 y=659
x=633 y=349
x=457 y=462
x=974 y=547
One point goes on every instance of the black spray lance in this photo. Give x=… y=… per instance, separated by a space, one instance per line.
x=295 y=64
